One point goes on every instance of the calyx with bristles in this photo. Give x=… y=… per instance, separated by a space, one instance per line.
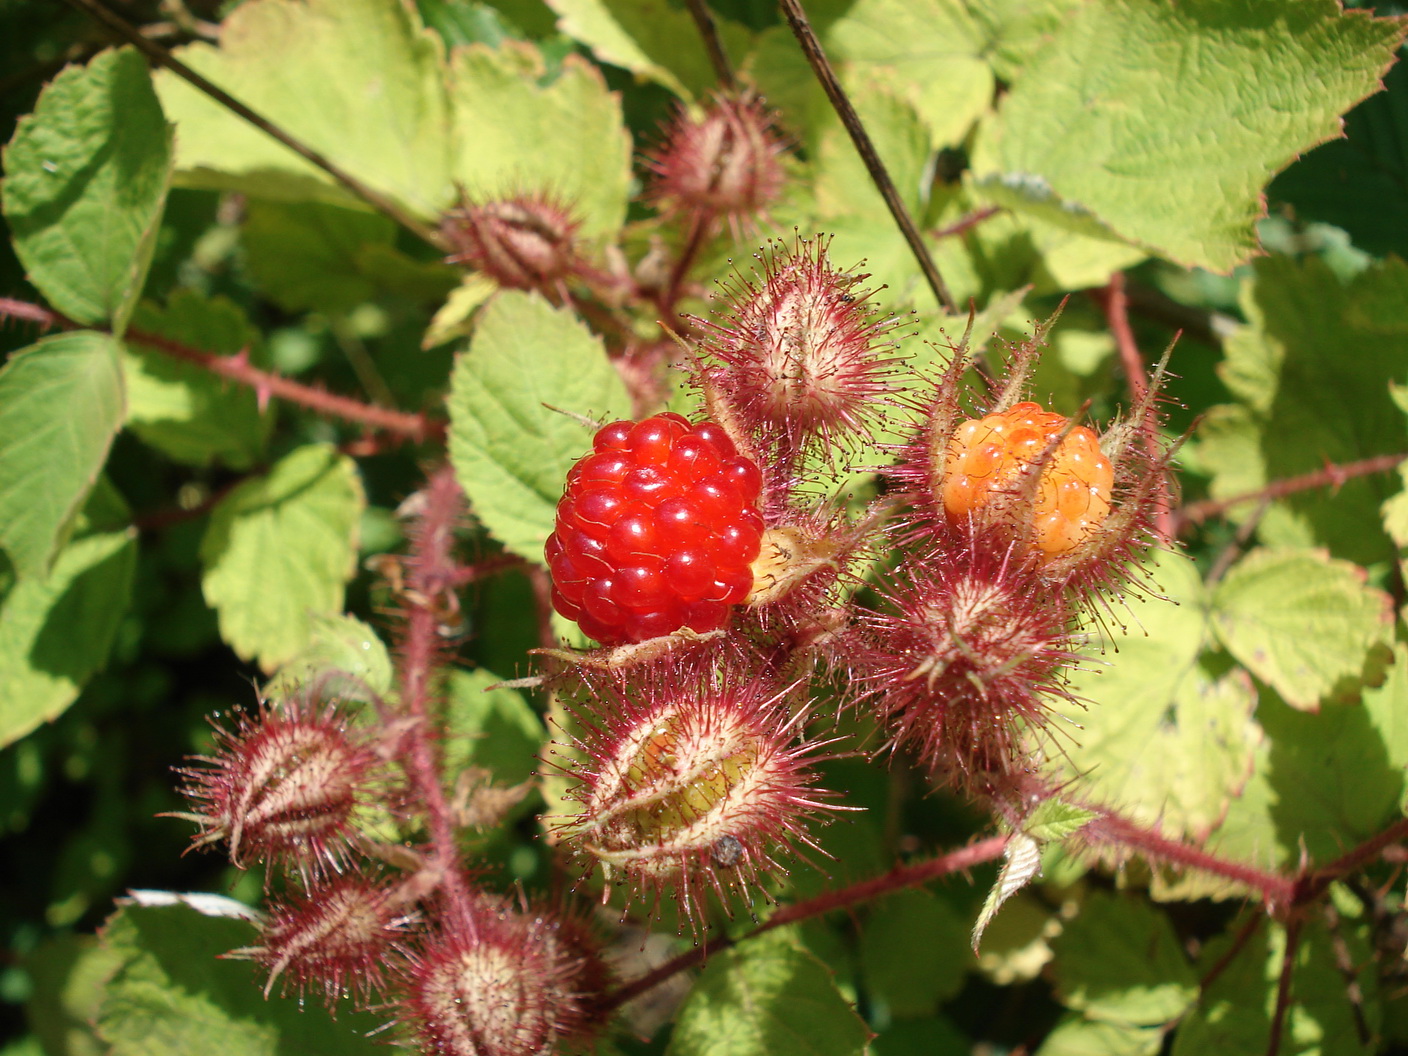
x=691 y=784
x=800 y=355
x=283 y=786
x=525 y=242
x=500 y=983
x=724 y=161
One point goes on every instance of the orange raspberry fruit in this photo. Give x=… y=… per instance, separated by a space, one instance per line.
x=992 y=457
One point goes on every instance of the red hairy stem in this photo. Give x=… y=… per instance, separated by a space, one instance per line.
x=464 y=575
x=430 y=570
x=1332 y=476
x=1116 y=305
x=237 y=368
x=1278 y=892
x=699 y=223
x=896 y=879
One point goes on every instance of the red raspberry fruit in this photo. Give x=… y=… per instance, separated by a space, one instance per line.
x=656 y=531
x=988 y=458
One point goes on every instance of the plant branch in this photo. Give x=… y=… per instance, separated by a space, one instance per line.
x=1112 y=299
x=237 y=368
x=700 y=220
x=1332 y=476
x=709 y=31
x=1277 y=892
x=896 y=879
x=1283 y=986
x=162 y=57
x=430 y=568
x=826 y=75
x=1353 y=860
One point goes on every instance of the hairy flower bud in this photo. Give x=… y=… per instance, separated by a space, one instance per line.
x=524 y=243
x=501 y=983
x=800 y=355
x=282 y=786
x=690 y=783
x=960 y=661
x=341 y=938
x=725 y=162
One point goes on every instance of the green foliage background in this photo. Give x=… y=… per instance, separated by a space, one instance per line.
x=166 y=538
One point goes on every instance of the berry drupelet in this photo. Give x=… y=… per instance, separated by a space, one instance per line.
x=657 y=531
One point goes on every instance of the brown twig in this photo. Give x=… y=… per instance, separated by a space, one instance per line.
x=237 y=368
x=1283 y=986
x=709 y=31
x=896 y=879
x=1239 y=942
x=162 y=57
x=1332 y=476
x=826 y=75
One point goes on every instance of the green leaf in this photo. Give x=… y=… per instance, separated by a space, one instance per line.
x=455 y=317
x=173 y=994
x=61 y=404
x=183 y=411
x=1311 y=372
x=510 y=452
x=57 y=630
x=1300 y=621
x=1075 y=1036
x=279 y=551
x=1332 y=779
x=85 y=182
x=912 y=953
x=1161 y=740
x=326 y=258
x=929 y=52
x=850 y=209
x=1119 y=961
x=490 y=728
x=68 y=975
x=764 y=997
x=1373 y=159
x=342 y=650
x=515 y=136
x=306 y=255
x=1098 y=127
x=1015 y=34
x=360 y=81
x=1233 y=1018
x=1021 y=864
x=1055 y=820
x=1387 y=711
x=654 y=40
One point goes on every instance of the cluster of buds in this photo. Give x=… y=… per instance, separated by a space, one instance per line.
x=466 y=973
x=1017 y=523
x=1022 y=522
